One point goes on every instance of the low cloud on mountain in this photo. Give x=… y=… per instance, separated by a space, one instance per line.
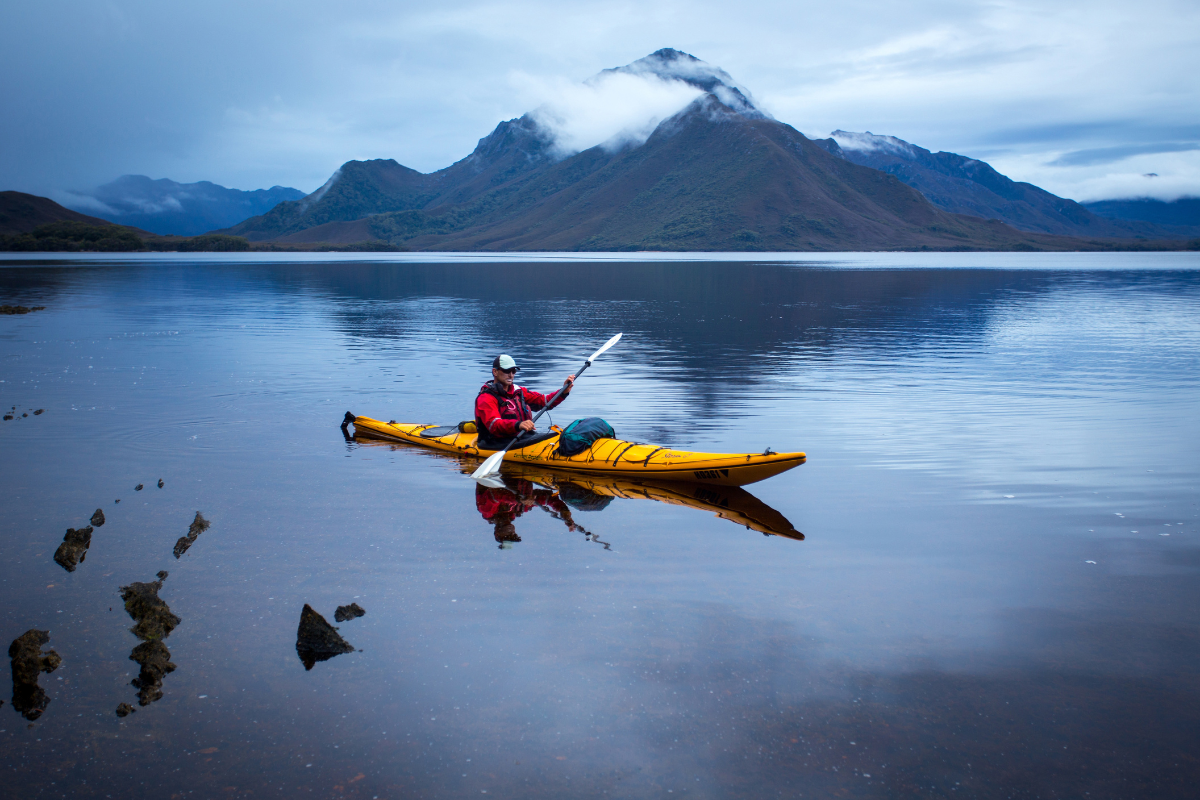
x=613 y=109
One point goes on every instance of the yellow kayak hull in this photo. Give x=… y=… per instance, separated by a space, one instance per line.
x=611 y=457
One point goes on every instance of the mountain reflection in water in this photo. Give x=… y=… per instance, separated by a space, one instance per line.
x=559 y=492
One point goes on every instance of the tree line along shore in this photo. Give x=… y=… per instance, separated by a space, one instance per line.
x=71 y=236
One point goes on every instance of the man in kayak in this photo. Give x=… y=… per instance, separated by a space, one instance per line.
x=503 y=409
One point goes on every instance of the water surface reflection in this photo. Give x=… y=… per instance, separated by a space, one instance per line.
x=997 y=594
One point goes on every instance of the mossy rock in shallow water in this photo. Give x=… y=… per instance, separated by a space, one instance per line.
x=199 y=525
x=351 y=611
x=73 y=549
x=28 y=662
x=153 y=616
x=317 y=640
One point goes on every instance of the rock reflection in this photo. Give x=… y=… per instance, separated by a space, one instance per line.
x=28 y=663
x=153 y=623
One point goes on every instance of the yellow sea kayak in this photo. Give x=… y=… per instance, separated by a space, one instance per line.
x=612 y=457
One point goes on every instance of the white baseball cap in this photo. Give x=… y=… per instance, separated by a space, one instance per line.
x=504 y=362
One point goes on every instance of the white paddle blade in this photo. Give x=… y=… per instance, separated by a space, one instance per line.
x=607 y=345
x=489 y=468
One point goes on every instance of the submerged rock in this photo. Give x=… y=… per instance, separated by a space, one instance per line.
x=199 y=525
x=137 y=488
x=124 y=710
x=153 y=617
x=73 y=549
x=317 y=640
x=98 y=518
x=155 y=660
x=160 y=483
x=351 y=611
x=28 y=663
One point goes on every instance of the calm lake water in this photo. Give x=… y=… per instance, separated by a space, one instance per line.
x=997 y=591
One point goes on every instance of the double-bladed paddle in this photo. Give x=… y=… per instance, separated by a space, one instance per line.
x=490 y=468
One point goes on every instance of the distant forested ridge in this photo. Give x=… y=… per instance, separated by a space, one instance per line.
x=30 y=224
x=74 y=237
x=1182 y=214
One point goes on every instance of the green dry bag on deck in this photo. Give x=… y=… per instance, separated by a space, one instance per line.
x=580 y=434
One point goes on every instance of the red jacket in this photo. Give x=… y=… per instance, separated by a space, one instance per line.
x=498 y=413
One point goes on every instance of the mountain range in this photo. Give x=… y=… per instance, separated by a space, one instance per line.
x=183 y=209
x=720 y=174
x=1182 y=215
x=965 y=185
x=713 y=171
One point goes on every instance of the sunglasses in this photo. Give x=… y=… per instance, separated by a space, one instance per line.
x=512 y=371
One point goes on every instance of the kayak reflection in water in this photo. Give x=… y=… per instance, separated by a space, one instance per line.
x=560 y=493
x=502 y=506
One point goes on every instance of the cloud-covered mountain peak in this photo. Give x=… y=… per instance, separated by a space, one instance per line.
x=674 y=65
x=620 y=107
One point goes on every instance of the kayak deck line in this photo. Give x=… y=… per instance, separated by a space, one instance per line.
x=614 y=457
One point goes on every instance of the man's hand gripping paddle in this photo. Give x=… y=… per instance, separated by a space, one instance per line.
x=489 y=469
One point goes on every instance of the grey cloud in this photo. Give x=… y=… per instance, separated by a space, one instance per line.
x=287 y=95
x=1107 y=155
x=1094 y=130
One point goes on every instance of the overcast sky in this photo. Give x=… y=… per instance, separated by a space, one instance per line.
x=1081 y=98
